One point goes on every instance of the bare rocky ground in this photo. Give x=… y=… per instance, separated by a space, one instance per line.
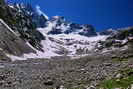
x=69 y=73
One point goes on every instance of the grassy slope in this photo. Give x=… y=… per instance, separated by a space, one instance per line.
x=124 y=82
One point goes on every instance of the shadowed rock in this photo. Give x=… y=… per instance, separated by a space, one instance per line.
x=11 y=43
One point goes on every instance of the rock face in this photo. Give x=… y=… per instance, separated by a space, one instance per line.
x=62 y=26
x=37 y=17
x=119 y=39
x=108 y=32
x=11 y=43
x=19 y=19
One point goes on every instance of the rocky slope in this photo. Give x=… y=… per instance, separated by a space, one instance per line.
x=83 y=73
x=19 y=19
x=11 y=43
x=121 y=39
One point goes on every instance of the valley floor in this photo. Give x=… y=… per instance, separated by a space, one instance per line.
x=58 y=73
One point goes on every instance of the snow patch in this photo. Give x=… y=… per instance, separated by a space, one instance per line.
x=11 y=6
x=49 y=52
x=50 y=26
x=39 y=54
x=79 y=37
x=1 y=49
x=14 y=58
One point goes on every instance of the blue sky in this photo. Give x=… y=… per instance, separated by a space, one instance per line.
x=103 y=14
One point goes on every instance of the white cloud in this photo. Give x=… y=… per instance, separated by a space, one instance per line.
x=40 y=12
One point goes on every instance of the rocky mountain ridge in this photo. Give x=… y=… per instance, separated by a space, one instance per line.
x=20 y=21
x=50 y=37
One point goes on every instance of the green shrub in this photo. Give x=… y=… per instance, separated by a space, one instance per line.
x=123 y=82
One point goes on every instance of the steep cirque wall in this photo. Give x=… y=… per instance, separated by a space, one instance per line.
x=19 y=17
x=10 y=43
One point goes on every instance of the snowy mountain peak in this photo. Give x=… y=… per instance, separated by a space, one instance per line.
x=59 y=25
x=56 y=17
